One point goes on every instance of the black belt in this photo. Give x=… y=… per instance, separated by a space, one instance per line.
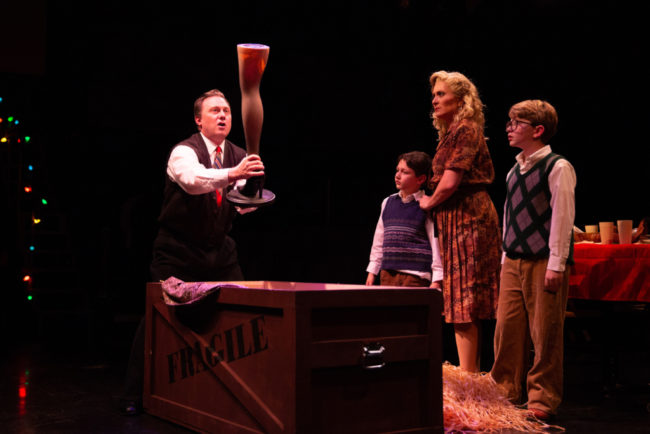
x=527 y=256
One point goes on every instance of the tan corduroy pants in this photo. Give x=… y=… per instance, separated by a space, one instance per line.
x=395 y=278
x=525 y=313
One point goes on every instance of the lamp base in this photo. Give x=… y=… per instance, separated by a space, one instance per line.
x=236 y=198
x=252 y=194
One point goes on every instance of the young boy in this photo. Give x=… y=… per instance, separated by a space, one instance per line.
x=404 y=247
x=537 y=243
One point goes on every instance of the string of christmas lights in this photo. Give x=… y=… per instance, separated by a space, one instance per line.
x=31 y=201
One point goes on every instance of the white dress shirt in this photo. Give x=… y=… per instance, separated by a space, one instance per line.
x=376 y=252
x=185 y=170
x=562 y=183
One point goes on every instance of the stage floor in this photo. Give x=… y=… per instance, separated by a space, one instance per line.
x=50 y=389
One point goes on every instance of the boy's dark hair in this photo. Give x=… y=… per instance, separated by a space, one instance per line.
x=419 y=162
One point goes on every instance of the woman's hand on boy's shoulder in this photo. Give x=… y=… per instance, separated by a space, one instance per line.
x=426 y=202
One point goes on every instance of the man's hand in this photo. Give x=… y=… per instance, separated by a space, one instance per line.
x=250 y=166
x=370 y=280
x=243 y=211
x=436 y=285
x=553 y=280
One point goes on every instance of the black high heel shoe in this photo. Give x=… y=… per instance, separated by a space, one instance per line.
x=254 y=187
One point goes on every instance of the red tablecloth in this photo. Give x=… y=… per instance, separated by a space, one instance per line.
x=611 y=272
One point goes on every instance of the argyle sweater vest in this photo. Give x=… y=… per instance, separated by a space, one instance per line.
x=406 y=244
x=528 y=211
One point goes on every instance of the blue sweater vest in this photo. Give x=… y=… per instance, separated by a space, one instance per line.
x=406 y=244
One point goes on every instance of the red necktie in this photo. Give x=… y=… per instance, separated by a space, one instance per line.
x=217 y=161
x=217 y=164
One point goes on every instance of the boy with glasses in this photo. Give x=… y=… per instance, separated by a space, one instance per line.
x=537 y=244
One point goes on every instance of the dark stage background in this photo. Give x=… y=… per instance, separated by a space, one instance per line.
x=106 y=89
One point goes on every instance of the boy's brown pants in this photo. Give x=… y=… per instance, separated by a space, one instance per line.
x=525 y=313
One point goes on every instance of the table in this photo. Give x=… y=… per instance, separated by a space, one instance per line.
x=609 y=288
x=611 y=272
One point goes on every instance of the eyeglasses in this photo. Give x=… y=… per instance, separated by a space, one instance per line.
x=514 y=123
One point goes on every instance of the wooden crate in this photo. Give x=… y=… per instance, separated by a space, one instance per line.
x=286 y=357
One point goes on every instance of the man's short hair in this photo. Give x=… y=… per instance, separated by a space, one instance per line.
x=419 y=162
x=538 y=112
x=198 y=104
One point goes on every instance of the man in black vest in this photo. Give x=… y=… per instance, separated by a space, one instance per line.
x=537 y=244
x=195 y=219
x=193 y=242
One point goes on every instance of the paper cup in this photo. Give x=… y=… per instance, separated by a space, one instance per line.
x=624 y=231
x=606 y=232
x=591 y=229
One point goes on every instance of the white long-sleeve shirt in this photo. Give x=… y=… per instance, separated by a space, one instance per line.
x=376 y=252
x=562 y=183
x=184 y=169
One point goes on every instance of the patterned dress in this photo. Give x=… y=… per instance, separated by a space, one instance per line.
x=468 y=228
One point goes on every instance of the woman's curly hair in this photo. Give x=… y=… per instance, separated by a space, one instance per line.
x=463 y=89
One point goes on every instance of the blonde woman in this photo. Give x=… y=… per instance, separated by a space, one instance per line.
x=465 y=216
